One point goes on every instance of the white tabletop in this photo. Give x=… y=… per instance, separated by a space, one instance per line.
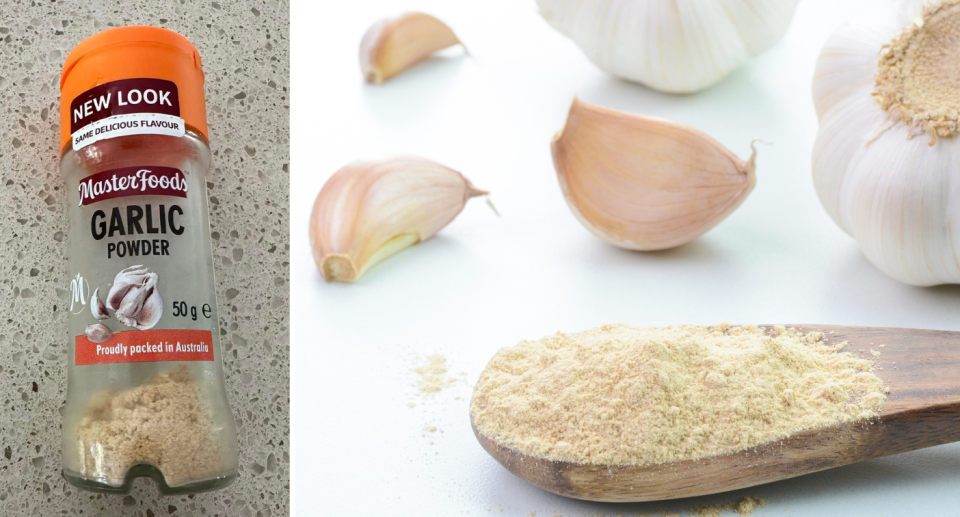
x=486 y=282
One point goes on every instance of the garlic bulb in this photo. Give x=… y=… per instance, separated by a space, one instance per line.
x=135 y=298
x=392 y=45
x=369 y=211
x=644 y=183
x=670 y=45
x=880 y=81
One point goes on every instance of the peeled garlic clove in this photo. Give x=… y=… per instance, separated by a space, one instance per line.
x=392 y=45
x=98 y=333
x=368 y=211
x=644 y=183
x=97 y=308
x=671 y=46
x=886 y=155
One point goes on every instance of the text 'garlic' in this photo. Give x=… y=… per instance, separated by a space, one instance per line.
x=670 y=45
x=392 y=45
x=368 y=211
x=882 y=79
x=644 y=183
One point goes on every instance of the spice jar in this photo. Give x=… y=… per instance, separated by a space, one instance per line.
x=146 y=394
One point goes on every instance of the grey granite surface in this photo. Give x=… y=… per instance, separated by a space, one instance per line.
x=244 y=47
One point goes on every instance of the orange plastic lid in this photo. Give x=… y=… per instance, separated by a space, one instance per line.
x=126 y=53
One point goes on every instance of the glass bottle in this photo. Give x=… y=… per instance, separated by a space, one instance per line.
x=145 y=394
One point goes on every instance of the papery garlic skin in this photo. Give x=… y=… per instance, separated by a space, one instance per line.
x=392 y=45
x=644 y=183
x=677 y=46
x=883 y=177
x=369 y=211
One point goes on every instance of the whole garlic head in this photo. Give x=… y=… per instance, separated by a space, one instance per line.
x=881 y=81
x=678 y=46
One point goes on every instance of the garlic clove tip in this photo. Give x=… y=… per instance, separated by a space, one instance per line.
x=338 y=268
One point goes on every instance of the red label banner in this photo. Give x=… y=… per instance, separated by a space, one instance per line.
x=146 y=346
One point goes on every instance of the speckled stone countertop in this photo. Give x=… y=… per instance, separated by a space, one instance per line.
x=245 y=51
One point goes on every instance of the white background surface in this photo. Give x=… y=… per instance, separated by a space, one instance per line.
x=486 y=282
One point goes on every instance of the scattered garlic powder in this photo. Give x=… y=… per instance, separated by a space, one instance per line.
x=744 y=506
x=748 y=505
x=433 y=376
x=638 y=396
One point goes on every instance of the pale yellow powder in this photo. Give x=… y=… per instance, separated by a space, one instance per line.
x=709 y=510
x=433 y=376
x=748 y=505
x=639 y=396
x=743 y=506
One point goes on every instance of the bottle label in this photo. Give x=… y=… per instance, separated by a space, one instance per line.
x=143 y=289
x=125 y=107
x=145 y=346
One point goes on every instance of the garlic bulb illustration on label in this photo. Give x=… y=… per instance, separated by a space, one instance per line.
x=135 y=298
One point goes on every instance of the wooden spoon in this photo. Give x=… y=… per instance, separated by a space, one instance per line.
x=921 y=367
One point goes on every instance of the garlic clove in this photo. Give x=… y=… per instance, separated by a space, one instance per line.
x=98 y=333
x=97 y=308
x=369 y=211
x=677 y=47
x=392 y=45
x=645 y=183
